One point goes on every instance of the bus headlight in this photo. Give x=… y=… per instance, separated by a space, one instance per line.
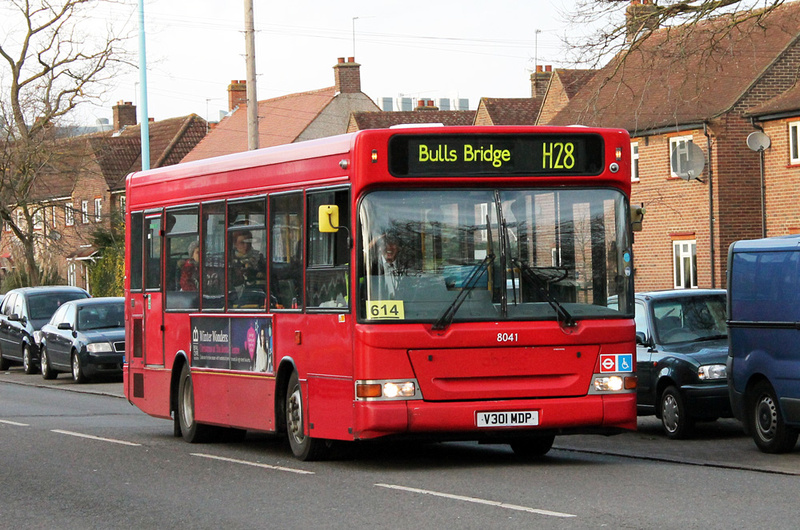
x=614 y=383
x=712 y=371
x=387 y=390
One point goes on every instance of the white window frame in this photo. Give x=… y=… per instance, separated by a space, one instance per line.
x=54 y=220
x=38 y=219
x=682 y=143
x=794 y=143
x=98 y=209
x=684 y=262
x=85 y=212
x=71 y=274
x=634 y=161
x=69 y=214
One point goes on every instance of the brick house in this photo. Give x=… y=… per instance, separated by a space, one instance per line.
x=676 y=91
x=290 y=118
x=83 y=187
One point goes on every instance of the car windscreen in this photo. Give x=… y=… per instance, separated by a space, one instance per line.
x=690 y=318
x=101 y=316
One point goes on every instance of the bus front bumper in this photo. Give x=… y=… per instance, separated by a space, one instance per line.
x=600 y=414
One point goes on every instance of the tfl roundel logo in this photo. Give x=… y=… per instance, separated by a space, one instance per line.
x=616 y=363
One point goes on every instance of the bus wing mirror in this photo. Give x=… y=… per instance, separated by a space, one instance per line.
x=637 y=216
x=329 y=218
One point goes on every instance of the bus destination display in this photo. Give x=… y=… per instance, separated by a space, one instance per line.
x=495 y=155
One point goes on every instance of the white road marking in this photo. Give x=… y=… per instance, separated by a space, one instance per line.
x=478 y=501
x=9 y=422
x=90 y=437
x=255 y=464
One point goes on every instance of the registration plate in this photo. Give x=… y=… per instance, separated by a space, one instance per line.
x=517 y=418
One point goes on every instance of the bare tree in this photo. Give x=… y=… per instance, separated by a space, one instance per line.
x=616 y=27
x=51 y=64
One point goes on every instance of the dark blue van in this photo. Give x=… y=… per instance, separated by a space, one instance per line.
x=764 y=339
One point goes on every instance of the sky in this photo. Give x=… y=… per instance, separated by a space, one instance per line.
x=418 y=49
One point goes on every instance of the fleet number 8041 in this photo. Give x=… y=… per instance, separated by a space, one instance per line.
x=507 y=337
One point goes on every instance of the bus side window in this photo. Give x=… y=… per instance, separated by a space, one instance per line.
x=247 y=267
x=182 y=263
x=286 y=251
x=137 y=226
x=213 y=256
x=327 y=278
x=152 y=253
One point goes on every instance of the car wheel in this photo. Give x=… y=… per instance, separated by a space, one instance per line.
x=766 y=421
x=77 y=370
x=674 y=417
x=304 y=447
x=191 y=431
x=47 y=371
x=27 y=361
x=531 y=448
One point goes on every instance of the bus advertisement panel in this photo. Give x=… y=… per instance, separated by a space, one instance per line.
x=432 y=283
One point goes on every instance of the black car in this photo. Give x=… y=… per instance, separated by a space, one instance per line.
x=681 y=350
x=24 y=311
x=84 y=337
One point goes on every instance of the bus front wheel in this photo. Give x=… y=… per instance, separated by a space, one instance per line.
x=304 y=447
x=191 y=431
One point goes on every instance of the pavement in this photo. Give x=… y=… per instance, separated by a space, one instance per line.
x=721 y=444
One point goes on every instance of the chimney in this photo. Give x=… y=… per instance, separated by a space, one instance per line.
x=347 y=76
x=426 y=104
x=237 y=93
x=640 y=17
x=540 y=79
x=124 y=114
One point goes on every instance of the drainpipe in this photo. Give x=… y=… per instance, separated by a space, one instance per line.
x=711 y=208
x=763 y=184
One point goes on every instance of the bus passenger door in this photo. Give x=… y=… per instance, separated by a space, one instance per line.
x=153 y=297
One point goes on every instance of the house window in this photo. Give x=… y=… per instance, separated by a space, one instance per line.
x=98 y=210
x=54 y=219
x=71 y=273
x=794 y=142
x=635 y=162
x=69 y=214
x=38 y=219
x=122 y=204
x=685 y=261
x=681 y=144
x=85 y=212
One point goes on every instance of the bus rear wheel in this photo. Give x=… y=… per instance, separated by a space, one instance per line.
x=304 y=447
x=191 y=431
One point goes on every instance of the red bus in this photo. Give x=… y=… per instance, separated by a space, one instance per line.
x=446 y=283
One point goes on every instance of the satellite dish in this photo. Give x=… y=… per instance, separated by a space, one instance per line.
x=688 y=162
x=758 y=141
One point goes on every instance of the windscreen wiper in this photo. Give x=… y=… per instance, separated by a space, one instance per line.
x=467 y=287
x=562 y=315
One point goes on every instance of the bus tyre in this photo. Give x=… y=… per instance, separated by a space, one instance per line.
x=27 y=360
x=304 y=447
x=766 y=421
x=674 y=417
x=191 y=431
x=530 y=448
x=47 y=371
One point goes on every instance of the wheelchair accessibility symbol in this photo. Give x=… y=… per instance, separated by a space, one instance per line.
x=616 y=363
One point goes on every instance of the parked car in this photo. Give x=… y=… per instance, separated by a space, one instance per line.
x=681 y=350
x=764 y=360
x=24 y=311
x=84 y=337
